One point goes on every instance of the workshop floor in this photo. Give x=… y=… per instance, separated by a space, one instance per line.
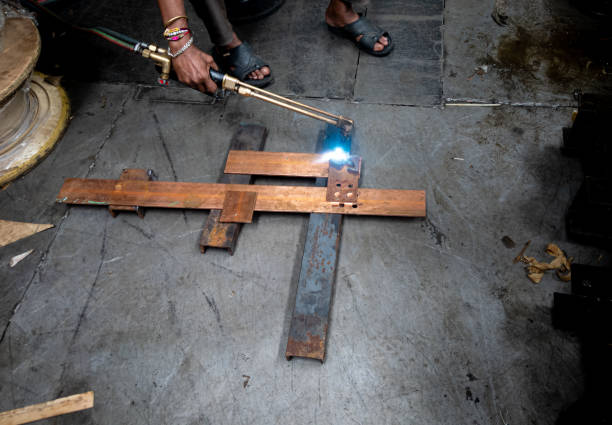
x=431 y=321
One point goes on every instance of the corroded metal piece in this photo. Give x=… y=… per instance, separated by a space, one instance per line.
x=343 y=181
x=238 y=207
x=310 y=320
x=131 y=174
x=308 y=331
x=216 y=234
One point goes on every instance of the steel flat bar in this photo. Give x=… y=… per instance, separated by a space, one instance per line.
x=313 y=299
x=287 y=164
x=296 y=199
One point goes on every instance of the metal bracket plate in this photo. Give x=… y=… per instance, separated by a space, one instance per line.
x=238 y=207
x=343 y=181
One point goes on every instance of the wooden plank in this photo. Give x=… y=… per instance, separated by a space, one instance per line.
x=238 y=207
x=49 y=409
x=297 y=199
x=225 y=235
x=284 y=164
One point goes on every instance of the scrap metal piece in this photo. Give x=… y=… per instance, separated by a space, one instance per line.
x=309 y=325
x=238 y=207
x=207 y=196
x=216 y=234
x=343 y=180
x=310 y=320
x=131 y=174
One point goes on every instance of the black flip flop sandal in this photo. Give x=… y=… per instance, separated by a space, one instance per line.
x=371 y=34
x=244 y=61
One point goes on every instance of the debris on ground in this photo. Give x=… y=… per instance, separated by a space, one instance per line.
x=247 y=378
x=500 y=14
x=11 y=231
x=520 y=254
x=480 y=71
x=17 y=258
x=536 y=269
x=508 y=242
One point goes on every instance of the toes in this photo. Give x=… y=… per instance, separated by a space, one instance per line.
x=378 y=47
x=260 y=74
x=383 y=40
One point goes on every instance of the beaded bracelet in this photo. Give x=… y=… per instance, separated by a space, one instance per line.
x=174 y=34
x=182 y=49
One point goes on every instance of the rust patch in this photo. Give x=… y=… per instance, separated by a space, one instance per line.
x=313 y=347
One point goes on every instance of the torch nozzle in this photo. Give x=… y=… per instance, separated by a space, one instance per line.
x=233 y=84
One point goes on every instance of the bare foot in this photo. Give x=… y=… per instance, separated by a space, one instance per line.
x=258 y=74
x=339 y=14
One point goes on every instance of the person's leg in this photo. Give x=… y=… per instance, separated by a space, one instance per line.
x=340 y=13
x=220 y=30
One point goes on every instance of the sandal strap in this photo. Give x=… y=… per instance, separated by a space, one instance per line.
x=371 y=32
x=243 y=59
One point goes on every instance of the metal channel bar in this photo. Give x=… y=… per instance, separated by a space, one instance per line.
x=310 y=320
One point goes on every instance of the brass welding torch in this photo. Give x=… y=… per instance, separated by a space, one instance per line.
x=227 y=82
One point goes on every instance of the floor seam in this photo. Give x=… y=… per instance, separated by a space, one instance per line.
x=36 y=272
x=43 y=258
x=84 y=310
x=111 y=130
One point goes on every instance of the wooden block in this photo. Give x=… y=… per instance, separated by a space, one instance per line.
x=284 y=164
x=205 y=196
x=37 y=412
x=238 y=207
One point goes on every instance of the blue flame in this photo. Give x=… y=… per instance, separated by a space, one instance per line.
x=336 y=155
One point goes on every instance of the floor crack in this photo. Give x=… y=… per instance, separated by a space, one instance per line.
x=36 y=272
x=110 y=132
x=87 y=301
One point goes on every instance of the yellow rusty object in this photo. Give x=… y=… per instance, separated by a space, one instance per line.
x=34 y=110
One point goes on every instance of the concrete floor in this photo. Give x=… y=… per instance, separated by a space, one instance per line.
x=431 y=322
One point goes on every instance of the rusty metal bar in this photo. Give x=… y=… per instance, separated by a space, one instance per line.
x=216 y=234
x=310 y=320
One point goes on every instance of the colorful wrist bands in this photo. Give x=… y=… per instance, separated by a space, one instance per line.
x=174 y=34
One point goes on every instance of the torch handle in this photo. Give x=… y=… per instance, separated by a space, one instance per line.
x=216 y=76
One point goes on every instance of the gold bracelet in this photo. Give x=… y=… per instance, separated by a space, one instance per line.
x=176 y=18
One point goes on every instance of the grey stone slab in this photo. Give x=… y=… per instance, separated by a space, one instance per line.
x=412 y=9
x=544 y=54
x=94 y=112
x=411 y=73
x=431 y=322
x=306 y=59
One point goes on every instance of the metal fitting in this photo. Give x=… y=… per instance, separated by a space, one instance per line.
x=160 y=57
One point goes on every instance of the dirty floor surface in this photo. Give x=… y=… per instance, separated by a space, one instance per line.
x=431 y=322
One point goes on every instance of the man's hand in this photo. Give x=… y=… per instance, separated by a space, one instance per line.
x=192 y=68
